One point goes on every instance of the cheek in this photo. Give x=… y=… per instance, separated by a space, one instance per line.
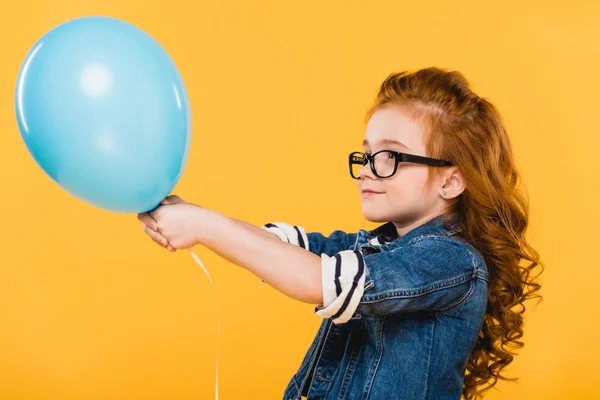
x=403 y=195
x=409 y=182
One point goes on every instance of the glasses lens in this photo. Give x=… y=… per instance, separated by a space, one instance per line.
x=356 y=163
x=385 y=162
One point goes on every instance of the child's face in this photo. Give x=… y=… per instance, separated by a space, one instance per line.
x=405 y=199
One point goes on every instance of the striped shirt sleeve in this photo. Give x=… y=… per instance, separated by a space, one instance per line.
x=343 y=281
x=292 y=234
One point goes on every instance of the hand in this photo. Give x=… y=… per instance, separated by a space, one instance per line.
x=174 y=224
x=150 y=225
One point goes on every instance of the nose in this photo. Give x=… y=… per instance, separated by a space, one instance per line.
x=365 y=171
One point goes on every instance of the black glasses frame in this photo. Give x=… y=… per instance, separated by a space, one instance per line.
x=400 y=157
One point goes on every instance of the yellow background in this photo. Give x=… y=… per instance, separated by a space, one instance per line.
x=90 y=308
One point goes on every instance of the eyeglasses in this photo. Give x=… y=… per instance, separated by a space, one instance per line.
x=384 y=163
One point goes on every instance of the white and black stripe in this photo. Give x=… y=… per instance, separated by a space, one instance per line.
x=380 y=240
x=292 y=234
x=375 y=241
x=343 y=277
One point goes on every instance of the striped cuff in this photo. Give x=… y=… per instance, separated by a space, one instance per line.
x=292 y=234
x=343 y=281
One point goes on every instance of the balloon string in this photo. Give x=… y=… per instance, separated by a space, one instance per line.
x=195 y=256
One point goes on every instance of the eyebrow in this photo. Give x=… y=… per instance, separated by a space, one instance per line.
x=386 y=141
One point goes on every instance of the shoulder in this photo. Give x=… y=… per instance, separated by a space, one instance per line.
x=444 y=250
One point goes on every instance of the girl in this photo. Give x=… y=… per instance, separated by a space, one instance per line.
x=423 y=306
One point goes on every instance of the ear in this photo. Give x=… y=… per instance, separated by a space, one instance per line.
x=453 y=184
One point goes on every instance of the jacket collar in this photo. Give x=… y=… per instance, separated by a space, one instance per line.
x=387 y=235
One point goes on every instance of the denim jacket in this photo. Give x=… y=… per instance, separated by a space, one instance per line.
x=400 y=314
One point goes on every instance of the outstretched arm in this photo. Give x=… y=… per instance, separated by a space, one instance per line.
x=290 y=269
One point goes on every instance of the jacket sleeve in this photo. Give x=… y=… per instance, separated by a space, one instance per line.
x=434 y=274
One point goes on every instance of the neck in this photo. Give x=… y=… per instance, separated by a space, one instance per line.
x=406 y=226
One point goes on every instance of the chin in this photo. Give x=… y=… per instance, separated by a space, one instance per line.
x=375 y=216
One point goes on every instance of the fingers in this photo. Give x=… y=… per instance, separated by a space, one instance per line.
x=172 y=199
x=151 y=229
x=158 y=238
x=147 y=220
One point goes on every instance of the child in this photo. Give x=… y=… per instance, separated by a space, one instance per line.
x=422 y=306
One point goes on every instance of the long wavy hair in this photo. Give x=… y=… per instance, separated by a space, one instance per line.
x=493 y=210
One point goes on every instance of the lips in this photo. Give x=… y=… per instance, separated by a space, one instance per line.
x=370 y=191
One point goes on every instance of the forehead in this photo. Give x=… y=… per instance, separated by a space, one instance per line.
x=392 y=124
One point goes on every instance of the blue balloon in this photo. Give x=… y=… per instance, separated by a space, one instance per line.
x=104 y=112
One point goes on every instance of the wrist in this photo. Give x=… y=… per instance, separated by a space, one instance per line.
x=205 y=220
